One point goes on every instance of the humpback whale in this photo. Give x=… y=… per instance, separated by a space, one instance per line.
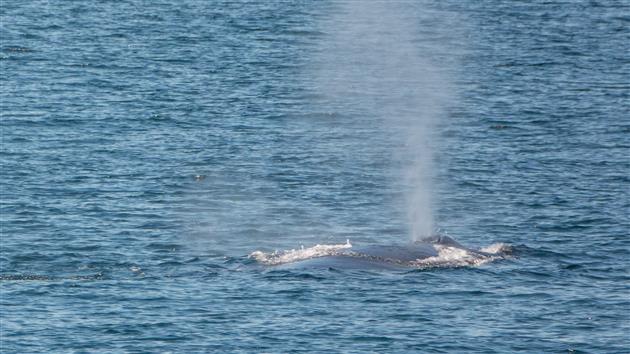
x=436 y=251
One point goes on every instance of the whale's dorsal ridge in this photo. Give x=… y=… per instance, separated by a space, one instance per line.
x=440 y=240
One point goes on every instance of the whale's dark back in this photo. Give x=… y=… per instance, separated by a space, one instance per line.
x=398 y=253
x=369 y=257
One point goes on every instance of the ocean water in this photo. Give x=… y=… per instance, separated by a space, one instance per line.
x=155 y=154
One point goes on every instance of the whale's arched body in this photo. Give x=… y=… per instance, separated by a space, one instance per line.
x=434 y=251
x=368 y=257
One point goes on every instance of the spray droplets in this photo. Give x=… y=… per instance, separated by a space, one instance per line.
x=381 y=60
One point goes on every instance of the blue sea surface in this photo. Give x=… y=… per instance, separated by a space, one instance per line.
x=148 y=148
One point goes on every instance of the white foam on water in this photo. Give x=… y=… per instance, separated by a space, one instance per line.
x=290 y=256
x=497 y=248
x=449 y=256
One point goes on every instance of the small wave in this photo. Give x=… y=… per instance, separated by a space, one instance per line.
x=39 y=277
x=290 y=256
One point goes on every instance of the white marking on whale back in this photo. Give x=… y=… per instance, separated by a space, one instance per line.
x=290 y=256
